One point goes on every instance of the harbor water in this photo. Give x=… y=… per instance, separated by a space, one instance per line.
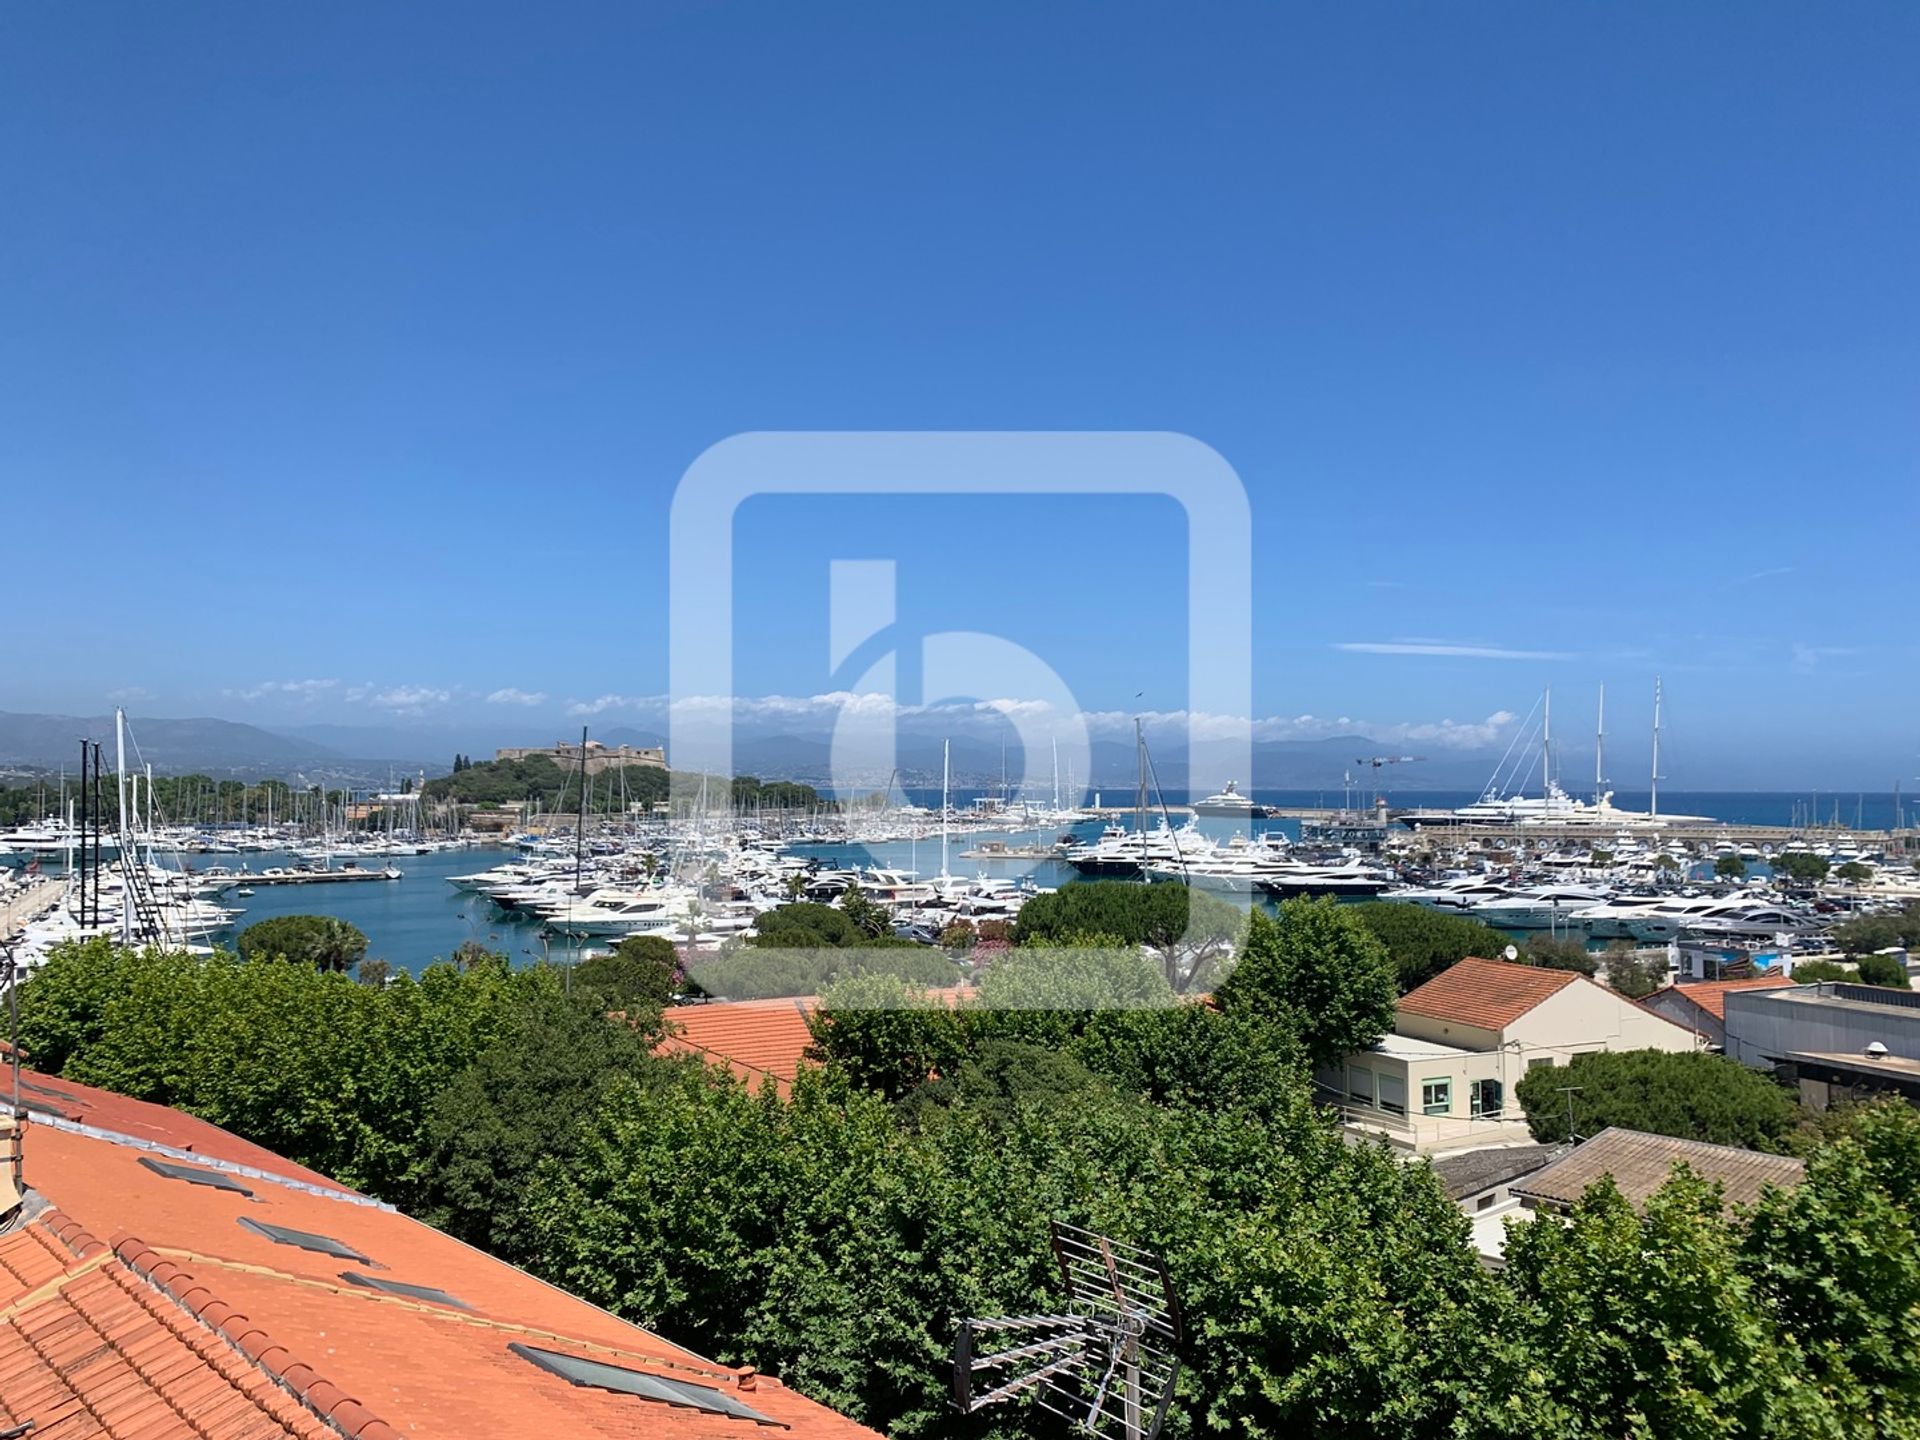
x=420 y=918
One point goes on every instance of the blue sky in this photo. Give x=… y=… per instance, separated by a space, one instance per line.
x=366 y=346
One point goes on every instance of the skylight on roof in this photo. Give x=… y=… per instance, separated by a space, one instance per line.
x=304 y=1240
x=397 y=1287
x=195 y=1175
x=599 y=1375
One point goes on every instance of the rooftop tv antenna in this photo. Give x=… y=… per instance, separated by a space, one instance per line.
x=1106 y=1364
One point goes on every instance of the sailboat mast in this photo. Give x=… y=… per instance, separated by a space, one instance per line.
x=126 y=846
x=1140 y=797
x=946 y=779
x=1600 y=747
x=1546 y=744
x=580 y=831
x=1653 y=802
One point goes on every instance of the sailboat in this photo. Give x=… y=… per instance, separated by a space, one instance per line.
x=1554 y=806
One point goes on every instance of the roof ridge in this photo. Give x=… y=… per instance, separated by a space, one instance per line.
x=211 y=1162
x=325 y=1400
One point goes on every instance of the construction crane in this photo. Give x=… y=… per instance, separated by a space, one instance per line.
x=1376 y=761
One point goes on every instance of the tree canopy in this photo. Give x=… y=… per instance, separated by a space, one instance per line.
x=1187 y=928
x=322 y=941
x=838 y=1236
x=1800 y=866
x=1318 y=972
x=1688 y=1094
x=1424 y=941
x=1864 y=934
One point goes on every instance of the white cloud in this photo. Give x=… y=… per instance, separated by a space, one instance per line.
x=604 y=703
x=811 y=713
x=296 y=689
x=1807 y=658
x=1447 y=649
x=409 y=699
x=511 y=696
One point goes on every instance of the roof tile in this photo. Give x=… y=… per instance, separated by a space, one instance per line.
x=756 y=1039
x=1641 y=1163
x=193 y=1326
x=1489 y=994
x=1711 y=995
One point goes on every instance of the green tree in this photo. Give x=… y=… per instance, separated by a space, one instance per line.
x=1188 y=929
x=639 y=976
x=1864 y=934
x=806 y=924
x=322 y=941
x=1646 y=1326
x=1560 y=952
x=1812 y=972
x=1422 y=941
x=1854 y=873
x=1320 y=973
x=1837 y=1263
x=1730 y=867
x=1885 y=971
x=1688 y=1094
x=865 y=913
x=1634 y=973
x=883 y=1034
x=1802 y=867
x=517 y=1105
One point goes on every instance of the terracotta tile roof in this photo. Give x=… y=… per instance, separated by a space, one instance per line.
x=93 y=1350
x=188 y=1323
x=1711 y=995
x=46 y=1096
x=1640 y=1164
x=756 y=1039
x=1491 y=994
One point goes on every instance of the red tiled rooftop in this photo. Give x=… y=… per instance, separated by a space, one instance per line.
x=756 y=1039
x=48 y=1097
x=1711 y=995
x=1490 y=994
x=186 y=1323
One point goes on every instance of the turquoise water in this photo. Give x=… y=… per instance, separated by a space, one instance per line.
x=419 y=918
x=409 y=922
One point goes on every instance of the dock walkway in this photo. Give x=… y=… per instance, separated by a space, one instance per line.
x=28 y=906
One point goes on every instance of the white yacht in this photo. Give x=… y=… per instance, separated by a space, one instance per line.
x=1122 y=853
x=1458 y=895
x=1230 y=804
x=1537 y=907
x=1351 y=876
x=1236 y=868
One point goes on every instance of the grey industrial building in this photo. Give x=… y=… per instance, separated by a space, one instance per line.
x=1837 y=1041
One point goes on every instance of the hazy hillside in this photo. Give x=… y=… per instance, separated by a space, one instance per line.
x=170 y=746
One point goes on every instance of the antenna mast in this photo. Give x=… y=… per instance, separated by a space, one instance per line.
x=1106 y=1365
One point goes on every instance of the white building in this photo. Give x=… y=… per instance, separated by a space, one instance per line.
x=1443 y=1080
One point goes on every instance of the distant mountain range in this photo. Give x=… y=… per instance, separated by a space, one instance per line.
x=374 y=754
x=215 y=747
x=1277 y=765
